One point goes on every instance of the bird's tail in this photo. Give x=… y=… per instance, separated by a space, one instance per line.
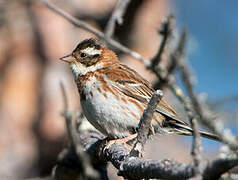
x=188 y=131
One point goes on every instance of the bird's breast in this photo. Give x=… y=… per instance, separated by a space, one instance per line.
x=110 y=111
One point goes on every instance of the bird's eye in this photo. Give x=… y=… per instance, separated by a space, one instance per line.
x=83 y=55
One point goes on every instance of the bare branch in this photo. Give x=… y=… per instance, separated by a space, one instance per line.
x=216 y=168
x=225 y=136
x=167 y=78
x=116 y=17
x=139 y=168
x=166 y=32
x=196 y=147
x=133 y=167
x=83 y=25
x=136 y=168
x=145 y=125
x=179 y=56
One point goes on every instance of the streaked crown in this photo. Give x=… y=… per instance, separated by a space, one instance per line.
x=88 y=43
x=87 y=52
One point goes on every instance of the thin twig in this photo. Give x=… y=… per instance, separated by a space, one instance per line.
x=83 y=25
x=225 y=136
x=175 y=57
x=65 y=100
x=196 y=147
x=166 y=32
x=116 y=17
x=145 y=124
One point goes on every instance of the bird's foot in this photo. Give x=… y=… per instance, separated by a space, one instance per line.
x=122 y=141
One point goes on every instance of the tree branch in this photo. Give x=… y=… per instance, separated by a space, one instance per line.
x=216 y=168
x=217 y=127
x=139 y=168
x=145 y=124
x=116 y=17
x=83 y=25
x=166 y=32
x=196 y=147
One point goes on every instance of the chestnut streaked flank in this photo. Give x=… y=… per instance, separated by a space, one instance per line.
x=114 y=96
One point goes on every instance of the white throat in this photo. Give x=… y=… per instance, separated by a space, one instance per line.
x=80 y=69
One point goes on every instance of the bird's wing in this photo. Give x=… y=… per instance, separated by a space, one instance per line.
x=130 y=83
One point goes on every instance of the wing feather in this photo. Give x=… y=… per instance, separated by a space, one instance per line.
x=130 y=83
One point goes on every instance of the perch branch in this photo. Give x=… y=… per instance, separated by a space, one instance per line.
x=145 y=124
x=216 y=168
x=139 y=168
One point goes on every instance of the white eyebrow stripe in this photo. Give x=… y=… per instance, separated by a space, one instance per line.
x=91 y=51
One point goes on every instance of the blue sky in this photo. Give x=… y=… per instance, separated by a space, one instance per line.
x=213 y=30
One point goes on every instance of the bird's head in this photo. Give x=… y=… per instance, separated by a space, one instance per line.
x=86 y=57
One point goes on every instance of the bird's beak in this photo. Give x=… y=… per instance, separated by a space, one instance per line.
x=69 y=58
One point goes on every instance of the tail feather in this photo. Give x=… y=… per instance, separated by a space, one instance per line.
x=210 y=136
x=188 y=131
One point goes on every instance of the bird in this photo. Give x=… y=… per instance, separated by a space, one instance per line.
x=113 y=96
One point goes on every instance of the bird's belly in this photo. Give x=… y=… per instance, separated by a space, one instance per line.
x=116 y=116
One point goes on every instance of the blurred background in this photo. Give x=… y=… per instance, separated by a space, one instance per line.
x=33 y=38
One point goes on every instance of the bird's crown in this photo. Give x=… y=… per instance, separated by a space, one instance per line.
x=88 y=43
x=87 y=52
